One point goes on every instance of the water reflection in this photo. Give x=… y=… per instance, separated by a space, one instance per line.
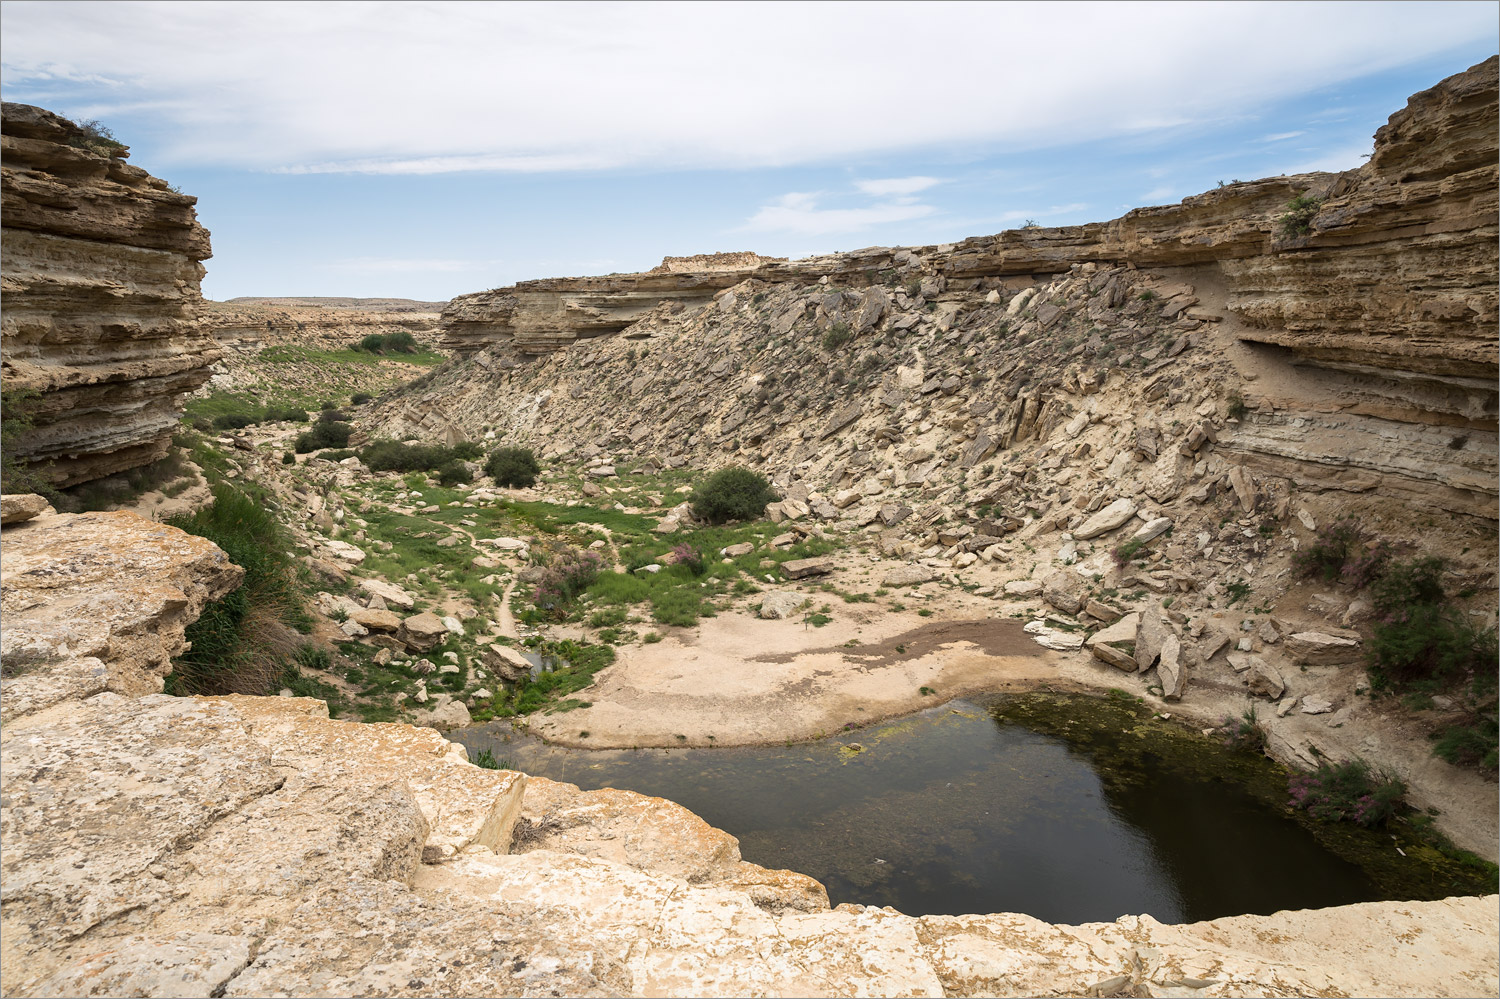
x=952 y=811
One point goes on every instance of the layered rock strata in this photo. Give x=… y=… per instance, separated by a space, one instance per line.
x=1374 y=317
x=241 y=846
x=101 y=284
x=248 y=326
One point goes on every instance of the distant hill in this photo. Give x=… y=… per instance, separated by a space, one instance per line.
x=362 y=304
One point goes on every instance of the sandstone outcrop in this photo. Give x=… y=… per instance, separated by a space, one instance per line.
x=101 y=283
x=1376 y=326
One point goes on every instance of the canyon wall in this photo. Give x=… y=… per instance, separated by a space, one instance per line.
x=101 y=285
x=1355 y=351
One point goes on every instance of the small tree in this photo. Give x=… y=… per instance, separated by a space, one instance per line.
x=732 y=493
x=513 y=466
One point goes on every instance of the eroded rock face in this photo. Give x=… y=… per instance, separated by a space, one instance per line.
x=1383 y=314
x=101 y=283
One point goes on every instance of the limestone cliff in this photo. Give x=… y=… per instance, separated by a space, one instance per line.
x=100 y=278
x=161 y=846
x=1358 y=355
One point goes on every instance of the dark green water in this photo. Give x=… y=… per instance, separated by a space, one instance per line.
x=962 y=809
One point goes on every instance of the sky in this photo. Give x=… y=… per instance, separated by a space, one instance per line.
x=424 y=150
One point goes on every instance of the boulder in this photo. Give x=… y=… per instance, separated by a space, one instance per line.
x=735 y=551
x=1022 y=588
x=803 y=567
x=1107 y=519
x=1054 y=638
x=448 y=713
x=1115 y=657
x=1110 y=644
x=508 y=663
x=1264 y=679
x=345 y=552
x=17 y=508
x=909 y=575
x=376 y=620
x=421 y=632
x=1169 y=669
x=1150 y=637
x=1061 y=591
x=780 y=604
x=1314 y=648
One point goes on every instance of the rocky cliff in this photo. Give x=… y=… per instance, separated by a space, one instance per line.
x=241 y=846
x=1351 y=347
x=100 y=278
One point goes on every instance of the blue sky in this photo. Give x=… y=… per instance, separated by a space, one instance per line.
x=423 y=150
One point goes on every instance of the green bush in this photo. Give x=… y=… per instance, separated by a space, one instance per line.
x=453 y=473
x=1297 y=219
x=289 y=459
x=234 y=421
x=241 y=644
x=323 y=435
x=732 y=493
x=400 y=342
x=1470 y=745
x=513 y=466
x=1348 y=792
x=395 y=456
x=337 y=454
x=333 y=416
x=360 y=398
x=838 y=334
x=1421 y=641
x=290 y=414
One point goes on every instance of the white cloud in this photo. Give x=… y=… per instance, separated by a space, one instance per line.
x=896 y=186
x=799 y=213
x=432 y=87
x=1156 y=195
x=389 y=264
x=1282 y=136
x=1334 y=161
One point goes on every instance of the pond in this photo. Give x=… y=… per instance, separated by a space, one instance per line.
x=1006 y=808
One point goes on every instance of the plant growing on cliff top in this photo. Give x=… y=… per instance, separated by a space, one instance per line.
x=96 y=138
x=1297 y=219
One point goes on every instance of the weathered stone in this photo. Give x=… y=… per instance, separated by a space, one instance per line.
x=1061 y=590
x=1170 y=670
x=1150 y=637
x=421 y=632
x=507 y=662
x=1053 y=638
x=375 y=620
x=1112 y=516
x=1264 y=679
x=1022 y=589
x=1315 y=648
x=779 y=604
x=448 y=712
x=17 y=508
x=394 y=596
x=909 y=575
x=803 y=567
x=1117 y=658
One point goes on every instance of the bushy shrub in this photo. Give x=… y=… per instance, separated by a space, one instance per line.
x=360 y=398
x=1242 y=734
x=1470 y=745
x=234 y=421
x=400 y=342
x=289 y=414
x=468 y=451
x=395 y=456
x=566 y=576
x=1419 y=639
x=837 y=335
x=732 y=493
x=453 y=473
x=512 y=466
x=289 y=459
x=333 y=416
x=337 y=454
x=1348 y=792
x=323 y=435
x=690 y=558
x=1297 y=219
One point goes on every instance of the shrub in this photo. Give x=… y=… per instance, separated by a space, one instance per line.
x=512 y=466
x=838 y=334
x=337 y=454
x=732 y=493
x=690 y=558
x=485 y=760
x=234 y=421
x=468 y=451
x=1470 y=745
x=289 y=458
x=323 y=435
x=1348 y=792
x=333 y=416
x=453 y=473
x=1419 y=640
x=1125 y=551
x=394 y=456
x=360 y=398
x=401 y=341
x=290 y=414
x=1242 y=734
x=564 y=578
x=1297 y=219
x=372 y=343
